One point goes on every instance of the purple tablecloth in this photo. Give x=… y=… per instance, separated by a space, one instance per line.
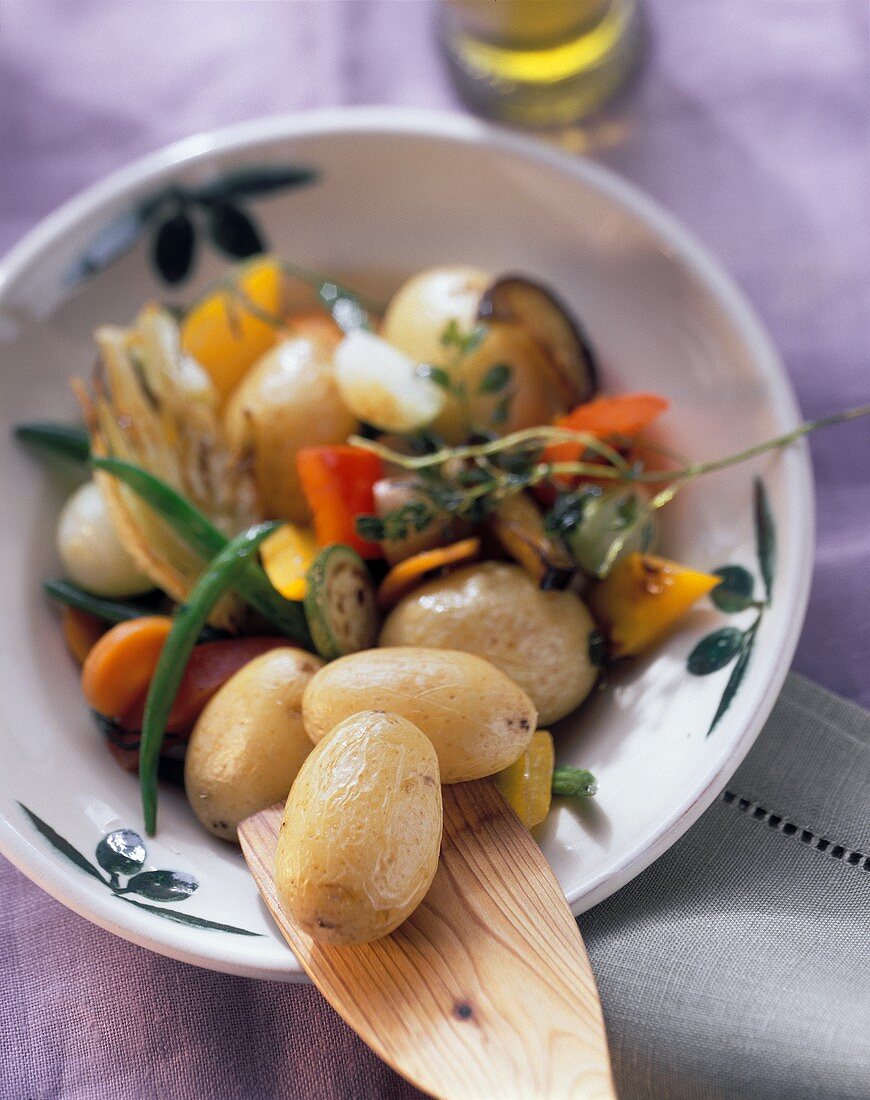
x=750 y=121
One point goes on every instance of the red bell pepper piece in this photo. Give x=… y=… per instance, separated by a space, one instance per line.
x=208 y=668
x=624 y=415
x=338 y=483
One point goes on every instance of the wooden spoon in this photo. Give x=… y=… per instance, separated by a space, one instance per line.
x=486 y=990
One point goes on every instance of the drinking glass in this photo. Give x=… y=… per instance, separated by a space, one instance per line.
x=539 y=62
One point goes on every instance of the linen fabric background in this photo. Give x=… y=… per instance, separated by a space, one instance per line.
x=736 y=966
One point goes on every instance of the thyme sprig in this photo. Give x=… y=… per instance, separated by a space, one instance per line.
x=619 y=470
x=470 y=480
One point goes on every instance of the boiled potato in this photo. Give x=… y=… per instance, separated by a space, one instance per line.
x=359 y=842
x=540 y=639
x=477 y=719
x=249 y=742
x=288 y=400
x=415 y=322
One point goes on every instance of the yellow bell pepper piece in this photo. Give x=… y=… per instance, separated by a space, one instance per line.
x=527 y=783
x=642 y=598
x=287 y=555
x=225 y=337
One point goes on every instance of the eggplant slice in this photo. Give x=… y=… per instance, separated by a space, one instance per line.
x=548 y=320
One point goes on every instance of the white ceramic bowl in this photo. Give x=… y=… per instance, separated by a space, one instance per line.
x=398 y=192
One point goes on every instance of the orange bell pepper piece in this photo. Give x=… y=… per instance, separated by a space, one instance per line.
x=338 y=483
x=405 y=576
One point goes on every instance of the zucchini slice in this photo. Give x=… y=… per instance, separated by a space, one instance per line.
x=340 y=603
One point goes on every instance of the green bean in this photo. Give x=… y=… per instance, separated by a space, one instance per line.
x=220 y=576
x=205 y=539
x=574 y=783
x=110 y=611
x=114 y=611
x=67 y=440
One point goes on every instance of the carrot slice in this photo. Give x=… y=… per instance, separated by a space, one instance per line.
x=405 y=576
x=120 y=666
x=81 y=632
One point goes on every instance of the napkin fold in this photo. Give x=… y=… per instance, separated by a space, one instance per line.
x=737 y=966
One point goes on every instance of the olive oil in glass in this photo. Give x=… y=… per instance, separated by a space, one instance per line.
x=539 y=62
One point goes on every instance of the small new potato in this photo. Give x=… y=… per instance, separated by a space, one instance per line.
x=415 y=321
x=478 y=720
x=92 y=554
x=540 y=639
x=359 y=843
x=288 y=400
x=249 y=742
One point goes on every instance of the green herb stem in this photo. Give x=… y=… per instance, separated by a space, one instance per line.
x=220 y=576
x=532 y=438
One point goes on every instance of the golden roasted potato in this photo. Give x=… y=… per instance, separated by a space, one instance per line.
x=477 y=719
x=249 y=742
x=359 y=843
x=540 y=639
x=288 y=400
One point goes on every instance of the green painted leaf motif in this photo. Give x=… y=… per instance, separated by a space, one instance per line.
x=736 y=677
x=736 y=589
x=234 y=232
x=67 y=440
x=63 y=846
x=188 y=918
x=765 y=536
x=715 y=651
x=245 y=182
x=110 y=243
x=162 y=885
x=121 y=852
x=175 y=247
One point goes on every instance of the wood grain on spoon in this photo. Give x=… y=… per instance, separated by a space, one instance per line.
x=486 y=990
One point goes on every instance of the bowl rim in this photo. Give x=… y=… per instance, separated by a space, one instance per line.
x=456 y=128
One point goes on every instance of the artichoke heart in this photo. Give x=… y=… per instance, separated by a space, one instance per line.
x=155 y=407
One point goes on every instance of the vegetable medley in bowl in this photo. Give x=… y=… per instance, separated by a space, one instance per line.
x=348 y=553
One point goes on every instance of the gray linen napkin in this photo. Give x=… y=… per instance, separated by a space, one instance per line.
x=738 y=965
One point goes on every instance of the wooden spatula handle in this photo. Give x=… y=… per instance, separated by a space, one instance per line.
x=486 y=992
